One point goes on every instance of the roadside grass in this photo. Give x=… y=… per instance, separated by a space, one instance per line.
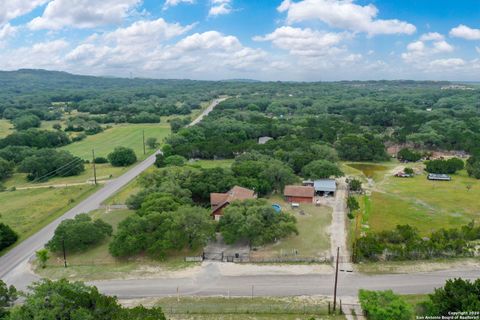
x=409 y=266
x=28 y=211
x=125 y=135
x=313 y=239
x=104 y=172
x=97 y=263
x=243 y=308
x=6 y=127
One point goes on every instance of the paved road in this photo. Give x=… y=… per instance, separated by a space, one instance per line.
x=14 y=264
x=210 y=283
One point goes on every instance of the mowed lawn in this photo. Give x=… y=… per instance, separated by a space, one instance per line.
x=27 y=211
x=427 y=205
x=313 y=240
x=5 y=128
x=125 y=135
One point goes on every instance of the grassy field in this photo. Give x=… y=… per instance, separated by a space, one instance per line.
x=5 y=127
x=312 y=240
x=119 y=135
x=98 y=264
x=427 y=205
x=245 y=308
x=27 y=211
x=208 y=164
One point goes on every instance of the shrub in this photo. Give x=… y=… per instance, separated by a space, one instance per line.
x=7 y=236
x=175 y=161
x=384 y=305
x=6 y=169
x=101 y=160
x=355 y=185
x=408 y=155
x=408 y=171
x=122 y=157
x=440 y=166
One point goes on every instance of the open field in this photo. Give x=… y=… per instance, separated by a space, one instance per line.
x=245 y=308
x=27 y=211
x=5 y=127
x=98 y=264
x=104 y=172
x=125 y=135
x=313 y=241
x=208 y=164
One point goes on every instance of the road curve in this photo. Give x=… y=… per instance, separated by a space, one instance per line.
x=13 y=263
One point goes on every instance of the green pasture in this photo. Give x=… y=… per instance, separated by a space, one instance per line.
x=6 y=127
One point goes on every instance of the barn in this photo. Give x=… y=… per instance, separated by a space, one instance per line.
x=299 y=194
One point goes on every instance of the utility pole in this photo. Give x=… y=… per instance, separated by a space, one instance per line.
x=64 y=253
x=94 y=167
x=336 y=282
x=144 y=141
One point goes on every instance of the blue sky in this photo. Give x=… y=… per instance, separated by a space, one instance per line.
x=301 y=40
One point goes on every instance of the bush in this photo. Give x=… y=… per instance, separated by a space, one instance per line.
x=79 y=234
x=101 y=160
x=384 y=305
x=175 y=161
x=473 y=167
x=7 y=236
x=26 y=121
x=354 y=185
x=321 y=169
x=440 y=166
x=48 y=163
x=160 y=160
x=408 y=171
x=6 y=169
x=408 y=155
x=122 y=157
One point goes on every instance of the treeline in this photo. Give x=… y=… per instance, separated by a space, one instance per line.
x=405 y=243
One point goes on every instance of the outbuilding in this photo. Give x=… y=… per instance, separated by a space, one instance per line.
x=439 y=177
x=322 y=187
x=299 y=194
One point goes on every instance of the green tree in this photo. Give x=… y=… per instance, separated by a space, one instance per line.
x=384 y=305
x=48 y=163
x=175 y=161
x=160 y=160
x=255 y=221
x=408 y=171
x=458 y=295
x=6 y=168
x=63 y=300
x=321 y=169
x=408 y=155
x=352 y=204
x=354 y=185
x=79 y=234
x=42 y=257
x=473 y=167
x=7 y=236
x=152 y=143
x=8 y=296
x=26 y=121
x=122 y=157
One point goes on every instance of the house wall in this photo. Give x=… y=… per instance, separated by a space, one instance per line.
x=300 y=199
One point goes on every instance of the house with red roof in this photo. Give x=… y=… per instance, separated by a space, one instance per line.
x=219 y=201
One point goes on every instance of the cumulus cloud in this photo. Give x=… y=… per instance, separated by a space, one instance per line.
x=173 y=3
x=303 y=42
x=344 y=14
x=448 y=63
x=7 y=31
x=11 y=9
x=82 y=13
x=462 y=31
x=429 y=44
x=220 y=7
x=432 y=36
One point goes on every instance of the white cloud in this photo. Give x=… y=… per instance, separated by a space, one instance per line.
x=462 y=31
x=448 y=63
x=7 y=31
x=82 y=13
x=303 y=42
x=46 y=55
x=11 y=9
x=220 y=7
x=432 y=36
x=173 y=3
x=477 y=49
x=344 y=14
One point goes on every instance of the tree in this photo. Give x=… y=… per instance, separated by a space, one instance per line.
x=79 y=234
x=26 y=121
x=7 y=236
x=160 y=160
x=57 y=126
x=65 y=300
x=122 y=157
x=152 y=143
x=408 y=155
x=175 y=161
x=42 y=256
x=361 y=148
x=159 y=233
x=441 y=166
x=408 y=171
x=354 y=185
x=48 y=163
x=8 y=296
x=6 y=168
x=473 y=166
x=457 y=295
x=255 y=221
x=384 y=305
x=321 y=169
